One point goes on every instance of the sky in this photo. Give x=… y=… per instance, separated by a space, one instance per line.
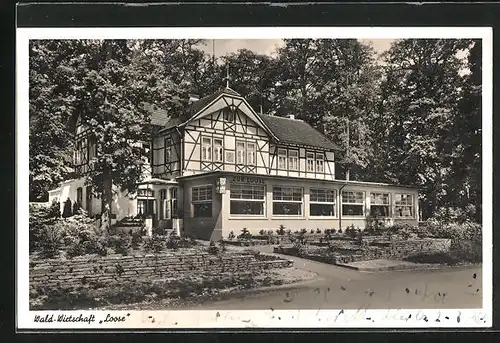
x=268 y=46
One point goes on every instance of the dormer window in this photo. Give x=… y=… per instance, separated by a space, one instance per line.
x=320 y=163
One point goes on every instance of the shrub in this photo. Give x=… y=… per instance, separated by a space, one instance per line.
x=121 y=243
x=466 y=239
x=245 y=234
x=222 y=246
x=212 y=249
x=281 y=230
x=51 y=242
x=173 y=241
x=340 y=230
x=39 y=218
x=318 y=230
x=231 y=236
x=136 y=240
x=67 y=209
x=262 y=232
x=312 y=231
x=154 y=244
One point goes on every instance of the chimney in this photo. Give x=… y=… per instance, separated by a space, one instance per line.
x=291 y=116
x=193 y=98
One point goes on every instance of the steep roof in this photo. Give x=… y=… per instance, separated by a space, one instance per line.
x=159 y=116
x=299 y=132
x=287 y=130
x=197 y=106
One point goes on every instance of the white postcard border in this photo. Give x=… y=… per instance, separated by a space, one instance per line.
x=338 y=318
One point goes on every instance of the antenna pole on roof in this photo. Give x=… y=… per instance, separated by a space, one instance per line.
x=227 y=75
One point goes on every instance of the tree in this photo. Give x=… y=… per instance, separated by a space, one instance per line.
x=331 y=84
x=53 y=87
x=421 y=89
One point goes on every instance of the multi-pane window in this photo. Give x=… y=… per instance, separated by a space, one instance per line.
x=287 y=201
x=145 y=192
x=240 y=152
x=353 y=203
x=310 y=161
x=293 y=159
x=379 y=204
x=247 y=200
x=322 y=202
x=206 y=149
x=281 y=158
x=168 y=150
x=201 y=198
x=218 y=150
x=251 y=153
x=173 y=202
x=403 y=205
x=320 y=163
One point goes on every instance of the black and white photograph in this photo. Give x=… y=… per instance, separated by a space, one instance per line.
x=266 y=177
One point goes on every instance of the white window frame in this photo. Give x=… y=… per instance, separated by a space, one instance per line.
x=218 y=151
x=326 y=201
x=310 y=162
x=282 y=156
x=320 y=162
x=206 y=149
x=282 y=200
x=208 y=196
x=242 y=151
x=362 y=204
x=252 y=189
x=293 y=161
x=251 y=153
x=374 y=195
x=173 y=202
x=404 y=204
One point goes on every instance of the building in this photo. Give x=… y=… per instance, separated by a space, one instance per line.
x=222 y=167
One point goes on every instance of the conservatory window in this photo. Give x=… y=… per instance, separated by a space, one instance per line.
x=247 y=200
x=379 y=204
x=322 y=202
x=287 y=201
x=403 y=205
x=353 y=203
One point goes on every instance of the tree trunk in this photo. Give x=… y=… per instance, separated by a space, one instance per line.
x=106 y=201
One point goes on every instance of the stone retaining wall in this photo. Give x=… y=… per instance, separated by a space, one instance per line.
x=169 y=265
x=397 y=249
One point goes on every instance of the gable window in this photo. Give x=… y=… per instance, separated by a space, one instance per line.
x=240 y=152
x=287 y=201
x=293 y=159
x=247 y=200
x=218 y=150
x=168 y=150
x=251 y=153
x=353 y=203
x=206 y=149
x=310 y=161
x=322 y=202
x=229 y=116
x=320 y=163
x=281 y=158
x=403 y=205
x=201 y=200
x=379 y=204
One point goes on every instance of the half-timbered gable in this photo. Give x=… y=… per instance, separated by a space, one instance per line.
x=85 y=148
x=166 y=154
